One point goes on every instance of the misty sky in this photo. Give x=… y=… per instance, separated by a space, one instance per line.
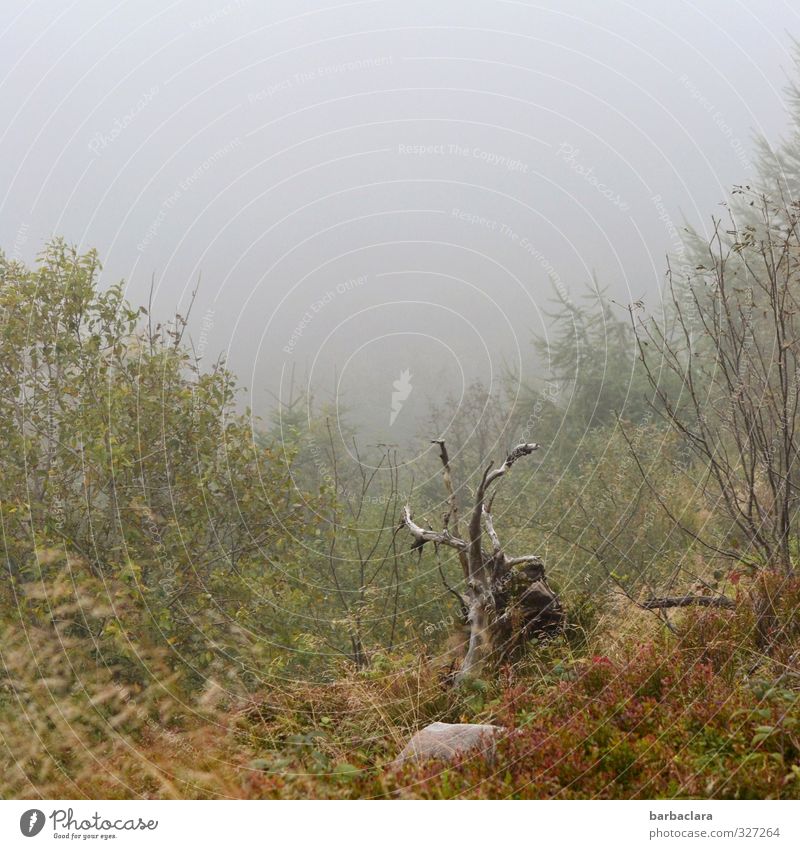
x=373 y=187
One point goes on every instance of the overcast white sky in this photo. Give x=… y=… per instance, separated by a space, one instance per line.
x=379 y=185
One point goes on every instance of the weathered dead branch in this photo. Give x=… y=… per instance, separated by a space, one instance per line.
x=507 y=599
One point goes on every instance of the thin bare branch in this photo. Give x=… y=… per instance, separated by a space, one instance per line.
x=452 y=518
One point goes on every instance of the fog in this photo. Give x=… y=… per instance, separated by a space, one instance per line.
x=363 y=189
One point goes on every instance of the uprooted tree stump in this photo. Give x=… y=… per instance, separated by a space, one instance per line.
x=507 y=599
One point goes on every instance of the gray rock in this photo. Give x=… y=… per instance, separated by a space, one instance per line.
x=444 y=741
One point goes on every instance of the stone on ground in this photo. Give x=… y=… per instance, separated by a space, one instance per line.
x=444 y=741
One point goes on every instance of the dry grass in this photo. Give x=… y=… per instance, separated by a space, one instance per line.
x=599 y=720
